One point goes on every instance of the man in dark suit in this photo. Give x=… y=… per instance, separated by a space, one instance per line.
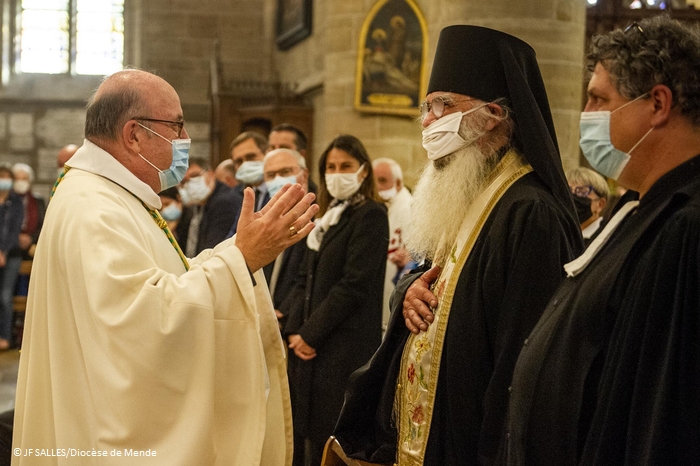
x=284 y=166
x=211 y=207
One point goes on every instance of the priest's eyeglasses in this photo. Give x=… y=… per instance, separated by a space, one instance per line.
x=437 y=106
x=173 y=124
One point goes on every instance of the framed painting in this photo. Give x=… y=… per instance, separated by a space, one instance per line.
x=391 y=59
x=293 y=22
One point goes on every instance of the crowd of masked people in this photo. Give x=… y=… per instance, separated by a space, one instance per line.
x=506 y=312
x=330 y=292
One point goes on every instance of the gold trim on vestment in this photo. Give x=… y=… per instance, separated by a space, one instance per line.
x=420 y=363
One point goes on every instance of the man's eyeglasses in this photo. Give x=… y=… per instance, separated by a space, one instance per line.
x=582 y=191
x=283 y=172
x=635 y=27
x=178 y=124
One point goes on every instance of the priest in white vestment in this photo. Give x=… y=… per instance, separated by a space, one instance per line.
x=132 y=353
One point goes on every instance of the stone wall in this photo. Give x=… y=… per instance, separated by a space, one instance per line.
x=173 y=38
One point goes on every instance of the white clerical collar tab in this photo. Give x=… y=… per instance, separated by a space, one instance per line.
x=579 y=264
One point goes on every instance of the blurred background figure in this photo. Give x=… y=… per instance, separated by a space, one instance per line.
x=247 y=153
x=286 y=136
x=335 y=311
x=211 y=207
x=11 y=218
x=34 y=209
x=171 y=211
x=226 y=173
x=282 y=166
x=591 y=194
x=389 y=178
x=63 y=155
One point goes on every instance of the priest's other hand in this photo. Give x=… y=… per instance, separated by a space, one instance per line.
x=301 y=349
x=418 y=301
x=285 y=220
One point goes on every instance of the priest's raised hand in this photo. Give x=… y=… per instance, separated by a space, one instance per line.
x=285 y=220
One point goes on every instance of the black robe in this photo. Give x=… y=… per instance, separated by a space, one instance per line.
x=336 y=307
x=611 y=373
x=512 y=270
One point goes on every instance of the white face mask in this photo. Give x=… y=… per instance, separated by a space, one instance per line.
x=343 y=185
x=442 y=137
x=184 y=195
x=197 y=189
x=388 y=194
x=21 y=186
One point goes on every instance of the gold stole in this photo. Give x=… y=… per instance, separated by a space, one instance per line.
x=420 y=363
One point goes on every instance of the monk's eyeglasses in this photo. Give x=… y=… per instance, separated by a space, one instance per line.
x=437 y=106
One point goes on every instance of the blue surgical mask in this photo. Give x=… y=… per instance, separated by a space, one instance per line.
x=273 y=186
x=171 y=213
x=5 y=184
x=597 y=147
x=173 y=175
x=250 y=173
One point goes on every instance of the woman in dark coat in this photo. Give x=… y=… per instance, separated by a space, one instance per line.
x=335 y=312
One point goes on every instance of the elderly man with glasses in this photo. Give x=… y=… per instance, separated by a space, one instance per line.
x=493 y=215
x=280 y=167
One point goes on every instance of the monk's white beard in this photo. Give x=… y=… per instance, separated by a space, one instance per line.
x=442 y=198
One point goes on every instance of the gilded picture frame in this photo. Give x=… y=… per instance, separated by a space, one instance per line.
x=392 y=54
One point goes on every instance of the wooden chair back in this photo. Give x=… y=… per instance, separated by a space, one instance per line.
x=333 y=455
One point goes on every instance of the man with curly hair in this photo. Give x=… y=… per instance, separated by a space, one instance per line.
x=610 y=374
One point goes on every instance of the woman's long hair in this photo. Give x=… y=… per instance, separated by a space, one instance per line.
x=356 y=149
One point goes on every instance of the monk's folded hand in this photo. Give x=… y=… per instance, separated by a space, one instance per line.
x=285 y=220
x=419 y=300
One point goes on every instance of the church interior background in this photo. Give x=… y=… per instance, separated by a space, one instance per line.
x=252 y=64
x=234 y=69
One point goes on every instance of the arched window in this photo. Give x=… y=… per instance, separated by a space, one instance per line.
x=69 y=36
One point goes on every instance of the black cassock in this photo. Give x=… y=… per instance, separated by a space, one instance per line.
x=514 y=267
x=611 y=373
